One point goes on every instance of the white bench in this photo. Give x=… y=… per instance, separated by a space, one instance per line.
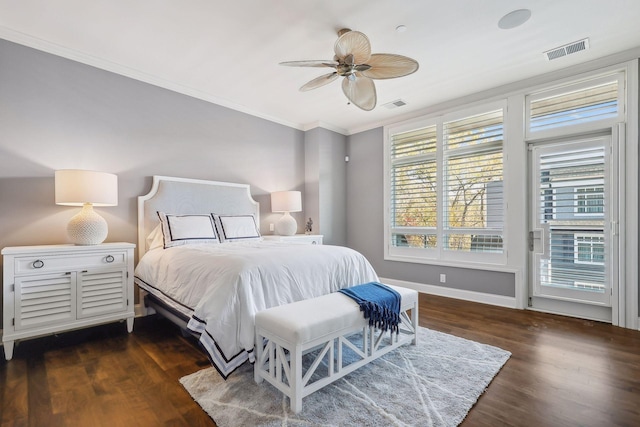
x=331 y=326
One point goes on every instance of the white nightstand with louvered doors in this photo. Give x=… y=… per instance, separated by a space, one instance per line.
x=56 y=288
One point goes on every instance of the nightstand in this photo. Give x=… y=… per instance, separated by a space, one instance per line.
x=311 y=239
x=56 y=288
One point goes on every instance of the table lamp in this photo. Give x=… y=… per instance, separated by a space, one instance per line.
x=286 y=201
x=87 y=189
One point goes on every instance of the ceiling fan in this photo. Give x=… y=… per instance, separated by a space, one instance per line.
x=353 y=61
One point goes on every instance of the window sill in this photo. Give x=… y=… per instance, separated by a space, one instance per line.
x=471 y=265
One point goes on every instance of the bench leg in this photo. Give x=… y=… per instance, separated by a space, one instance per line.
x=258 y=363
x=295 y=399
x=414 y=320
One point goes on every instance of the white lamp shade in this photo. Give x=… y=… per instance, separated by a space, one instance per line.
x=286 y=201
x=76 y=187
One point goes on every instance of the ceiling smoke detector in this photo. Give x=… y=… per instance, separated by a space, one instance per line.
x=394 y=104
x=567 y=49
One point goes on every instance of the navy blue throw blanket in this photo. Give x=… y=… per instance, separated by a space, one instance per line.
x=380 y=304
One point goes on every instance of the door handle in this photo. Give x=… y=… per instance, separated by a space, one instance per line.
x=535 y=241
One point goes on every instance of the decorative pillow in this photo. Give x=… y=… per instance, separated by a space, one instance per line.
x=237 y=227
x=155 y=238
x=187 y=229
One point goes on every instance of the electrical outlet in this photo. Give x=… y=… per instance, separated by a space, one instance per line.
x=443 y=278
x=271 y=227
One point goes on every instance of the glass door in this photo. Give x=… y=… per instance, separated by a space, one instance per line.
x=570 y=234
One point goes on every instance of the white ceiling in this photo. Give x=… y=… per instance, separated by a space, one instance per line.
x=228 y=52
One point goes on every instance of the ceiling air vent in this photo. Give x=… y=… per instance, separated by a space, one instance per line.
x=567 y=49
x=395 y=104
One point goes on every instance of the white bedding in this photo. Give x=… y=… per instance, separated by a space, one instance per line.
x=227 y=284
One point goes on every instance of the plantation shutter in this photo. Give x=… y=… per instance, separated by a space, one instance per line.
x=445 y=187
x=414 y=188
x=473 y=204
x=571 y=206
x=598 y=100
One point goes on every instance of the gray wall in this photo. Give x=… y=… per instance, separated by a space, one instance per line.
x=325 y=184
x=365 y=225
x=57 y=114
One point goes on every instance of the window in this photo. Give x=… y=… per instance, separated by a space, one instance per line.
x=445 y=187
x=587 y=105
x=589 y=249
x=472 y=179
x=414 y=188
x=589 y=201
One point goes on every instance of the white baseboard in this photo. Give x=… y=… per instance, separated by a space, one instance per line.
x=499 y=300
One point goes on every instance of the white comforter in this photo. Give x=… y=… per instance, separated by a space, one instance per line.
x=227 y=284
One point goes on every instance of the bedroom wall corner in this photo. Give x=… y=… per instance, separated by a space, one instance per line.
x=325 y=184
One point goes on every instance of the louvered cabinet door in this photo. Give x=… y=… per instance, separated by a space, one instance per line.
x=44 y=300
x=101 y=292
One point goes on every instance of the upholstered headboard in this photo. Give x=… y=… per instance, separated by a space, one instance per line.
x=191 y=196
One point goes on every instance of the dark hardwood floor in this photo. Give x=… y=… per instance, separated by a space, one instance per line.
x=562 y=372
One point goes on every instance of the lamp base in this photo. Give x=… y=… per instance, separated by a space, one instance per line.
x=287 y=225
x=87 y=227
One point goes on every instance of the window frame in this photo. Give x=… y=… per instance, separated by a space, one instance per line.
x=440 y=255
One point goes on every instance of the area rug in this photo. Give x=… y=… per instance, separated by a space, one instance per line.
x=434 y=383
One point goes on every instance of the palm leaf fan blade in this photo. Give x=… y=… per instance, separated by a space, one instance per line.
x=389 y=66
x=311 y=63
x=361 y=91
x=353 y=43
x=319 y=81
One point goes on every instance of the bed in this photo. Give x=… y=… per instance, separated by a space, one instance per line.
x=204 y=266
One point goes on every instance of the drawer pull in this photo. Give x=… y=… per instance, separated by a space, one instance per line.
x=109 y=258
x=38 y=263
x=314 y=242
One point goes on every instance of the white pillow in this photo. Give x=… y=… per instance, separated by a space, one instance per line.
x=155 y=238
x=237 y=227
x=187 y=229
